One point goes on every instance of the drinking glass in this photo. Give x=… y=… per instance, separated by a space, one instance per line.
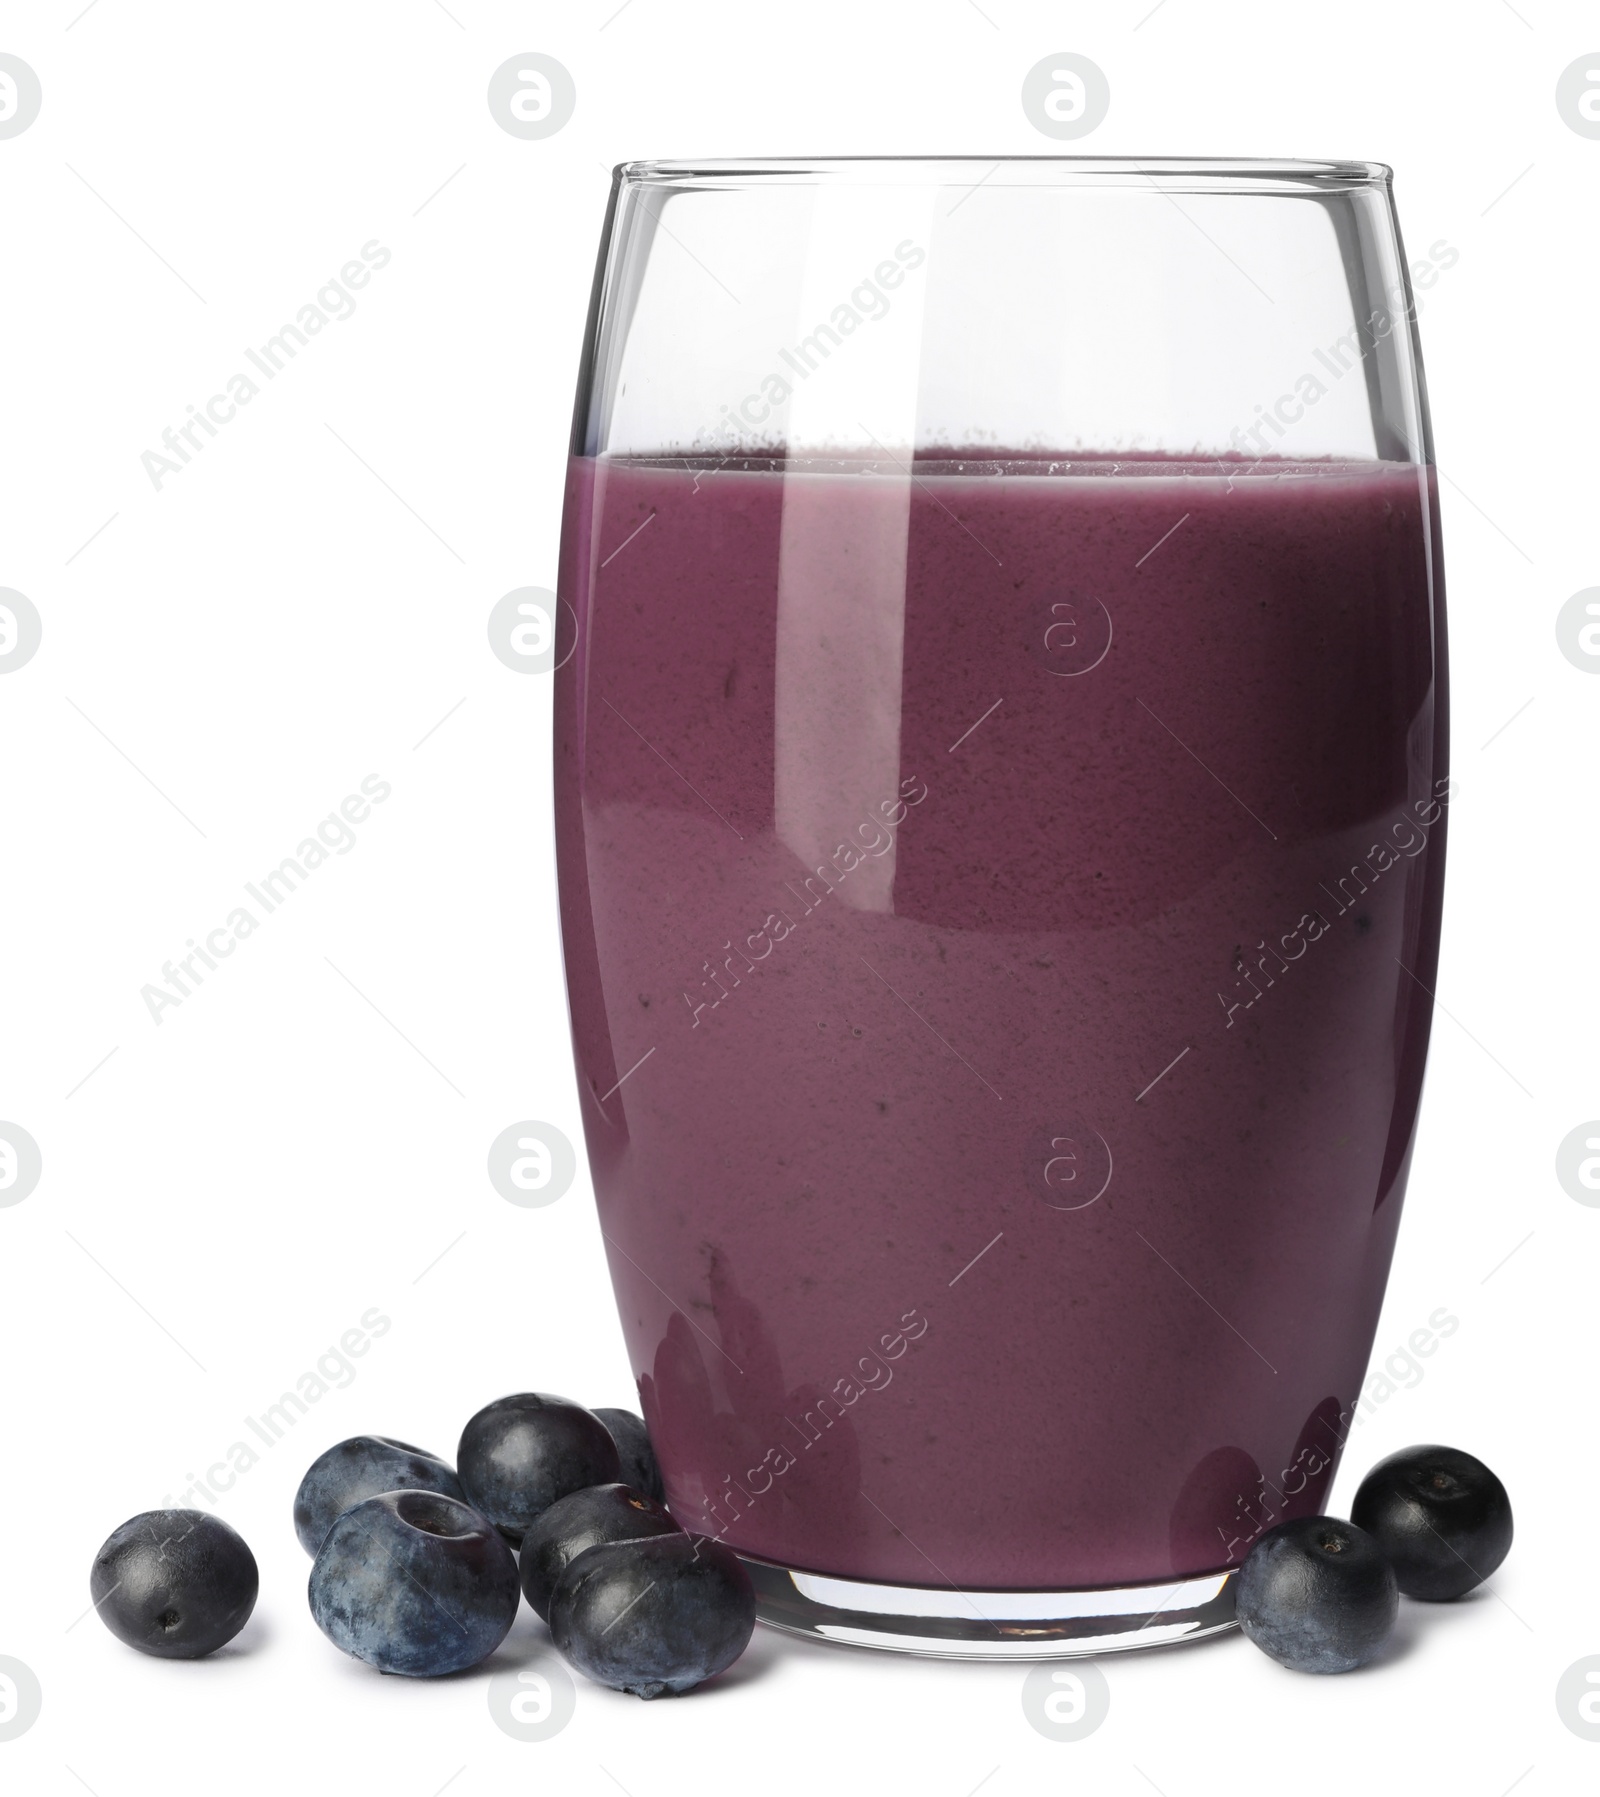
x=1000 y=756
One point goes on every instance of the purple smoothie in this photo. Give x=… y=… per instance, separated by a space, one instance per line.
x=999 y=910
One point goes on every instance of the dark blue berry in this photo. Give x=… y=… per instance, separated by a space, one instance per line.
x=1317 y=1594
x=654 y=1616
x=1441 y=1516
x=519 y=1454
x=359 y=1468
x=175 y=1583
x=639 y=1467
x=579 y=1521
x=414 y=1582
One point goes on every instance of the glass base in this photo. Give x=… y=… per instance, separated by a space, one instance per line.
x=991 y=1625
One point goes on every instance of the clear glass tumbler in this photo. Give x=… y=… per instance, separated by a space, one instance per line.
x=1001 y=795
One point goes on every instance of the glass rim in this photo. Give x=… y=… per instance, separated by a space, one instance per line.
x=1220 y=174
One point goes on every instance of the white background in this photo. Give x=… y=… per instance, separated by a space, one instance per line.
x=305 y=1137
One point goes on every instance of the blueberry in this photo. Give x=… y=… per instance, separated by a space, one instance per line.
x=519 y=1454
x=653 y=1616
x=175 y=1583
x=1317 y=1594
x=639 y=1467
x=414 y=1582
x=363 y=1467
x=1442 y=1517
x=579 y=1521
